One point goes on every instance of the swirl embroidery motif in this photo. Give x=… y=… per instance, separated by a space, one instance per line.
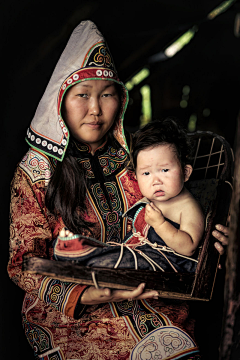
x=112 y=191
x=102 y=57
x=166 y=342
x=100 y=198
x=36 y=167
x=112 y=160
x=37 y=336
x=145 y=322
x=86 y=165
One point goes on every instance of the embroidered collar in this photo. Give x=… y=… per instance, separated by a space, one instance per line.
x=86 y=148
x=141 y=203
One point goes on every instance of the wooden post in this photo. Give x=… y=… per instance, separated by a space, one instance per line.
x=230 y=344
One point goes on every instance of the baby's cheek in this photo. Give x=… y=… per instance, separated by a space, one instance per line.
x=176 y=173
x=177 y=178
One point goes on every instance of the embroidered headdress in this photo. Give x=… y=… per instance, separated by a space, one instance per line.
x=86 y=57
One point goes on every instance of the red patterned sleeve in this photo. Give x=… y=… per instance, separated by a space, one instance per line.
x=31 y=233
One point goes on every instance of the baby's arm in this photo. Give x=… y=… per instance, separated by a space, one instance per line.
x=186 y=239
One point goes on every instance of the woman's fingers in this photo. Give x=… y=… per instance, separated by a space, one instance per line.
x=223 y=229
x=136 y=294
x=219 y=248
x=221 y=234
x=139 y=293
x=126 y=294
x=94 y=296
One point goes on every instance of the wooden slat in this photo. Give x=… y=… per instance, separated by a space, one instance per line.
x=170 y=285
x=229 y=348
x=207 y=273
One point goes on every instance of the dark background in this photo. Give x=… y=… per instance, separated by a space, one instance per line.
x=34 y=33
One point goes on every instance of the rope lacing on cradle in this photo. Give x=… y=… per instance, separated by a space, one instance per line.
x=142 y=241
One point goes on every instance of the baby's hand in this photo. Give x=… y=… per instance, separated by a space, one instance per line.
x=153 y=215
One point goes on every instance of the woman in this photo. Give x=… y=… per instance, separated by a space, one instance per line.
x=75 y=175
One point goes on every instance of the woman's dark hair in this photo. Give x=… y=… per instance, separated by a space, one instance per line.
x=66 y=192
x=162 y=132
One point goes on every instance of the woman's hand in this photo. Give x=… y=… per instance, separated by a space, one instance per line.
x=92 y=296
x=221 y=234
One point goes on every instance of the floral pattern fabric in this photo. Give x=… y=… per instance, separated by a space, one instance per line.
x=107 y=331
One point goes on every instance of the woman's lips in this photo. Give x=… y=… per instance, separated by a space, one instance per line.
x=94 y=125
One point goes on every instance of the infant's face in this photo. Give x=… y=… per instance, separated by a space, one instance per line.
x=159 y=173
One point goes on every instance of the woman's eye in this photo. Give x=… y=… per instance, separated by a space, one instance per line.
x=83 y=95
x=107 y=95
x=146 y=173
x=165 y=170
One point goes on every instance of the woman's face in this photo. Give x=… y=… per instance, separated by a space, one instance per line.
x=90 y=108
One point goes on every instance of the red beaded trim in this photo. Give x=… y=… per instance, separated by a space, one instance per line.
x=85 y=74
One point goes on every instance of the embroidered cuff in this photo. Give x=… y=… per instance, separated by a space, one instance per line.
x=63 y=296
x=79 y=309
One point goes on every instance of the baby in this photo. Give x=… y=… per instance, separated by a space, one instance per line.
x=168 y=222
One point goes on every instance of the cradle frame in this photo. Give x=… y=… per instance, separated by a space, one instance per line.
x=213 y=154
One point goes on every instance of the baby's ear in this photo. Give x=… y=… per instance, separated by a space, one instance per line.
x=187 y=172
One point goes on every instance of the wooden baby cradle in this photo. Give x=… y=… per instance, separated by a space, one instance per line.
x=211 y=184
